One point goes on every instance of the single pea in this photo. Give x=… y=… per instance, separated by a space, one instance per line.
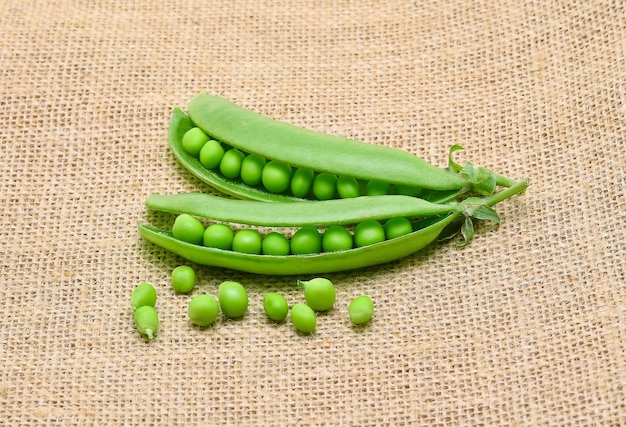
x=368 y=232
x=252 y=169
x=203 y=310
x=247 y=241
x=336 y=238
x=144 y=294
x=233 y=299
x=218 y=236
x=348 y=187
x=361 y=310
x=276 y=176
x=307 y=240
x=147 y=321
x=275 y=243
x=275 y=306
x=377 y=188
x=319 y=293
x=396 y=227
x=301 y=182
x=211 y=154
x=183 y=279
x=407 y=190
x=325 y=186
x=303 y=318
x=188 y=229
x=193 y=141
x=230 y=165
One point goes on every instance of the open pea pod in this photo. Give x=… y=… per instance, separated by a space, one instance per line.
x=435 y=218
x=349 y=165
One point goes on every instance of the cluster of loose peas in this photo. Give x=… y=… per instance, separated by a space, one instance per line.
x=305 y=240
x=203 y=310
x=277 y=177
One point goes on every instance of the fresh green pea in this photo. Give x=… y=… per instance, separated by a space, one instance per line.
x=218 y=236
x=319 y=293
x=230 y=165
x=348 y=187
x=301 y=182
x=275 y=306
x=233 y=299
x=275 y=243
x=325 y=186
x=361 y=310
x=368 y=232
x=188 y=229
x=144 y=294
x=183 y=279
x=252 y=169
x=247 y=241
x=147 y=321
x=193 y=141
x=276 y=176
x=336 y=238
x=307 y=240
x=303 y=318
x=396 y=227
x=407 y=190
x=377 y=188
x=203 y=310
x=211 y=154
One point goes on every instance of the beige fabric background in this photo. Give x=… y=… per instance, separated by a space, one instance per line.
x=526 y=326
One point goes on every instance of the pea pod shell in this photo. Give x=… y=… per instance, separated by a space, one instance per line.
x=327 y=262
x=255 y=133
x=179 y=125
x=328 y=212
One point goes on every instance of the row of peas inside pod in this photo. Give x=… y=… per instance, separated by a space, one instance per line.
x=232 y=301
x=277 y=177
x=305 y=240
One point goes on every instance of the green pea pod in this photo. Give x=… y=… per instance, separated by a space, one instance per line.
x=321 y=213
x=297 y=147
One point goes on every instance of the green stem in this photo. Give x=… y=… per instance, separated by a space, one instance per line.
x=504 y=181
x=516 y=188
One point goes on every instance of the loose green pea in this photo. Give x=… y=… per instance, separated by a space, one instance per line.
x=396 y=227
x=348 y=187
x=301 y=182
x=336 y=238
x=275 y=243
x=193 y=141
x=319 y=293
x=275 y=306
x=252 y=169
x=211 y=154
x=247 y=241
x=377 y=188
x=303 y=318
x=276 y=176
x=233 y=299
x=306 y=240
x=188 y=229
x=325 y=186
x=361 y=310
x=183 y=279
x=147 y=321
x=144 y=294
x=230 y=165
x=203 y=310
x=368 y=232
x=218 y=236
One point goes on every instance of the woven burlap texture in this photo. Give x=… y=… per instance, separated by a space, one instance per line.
x=525 y=326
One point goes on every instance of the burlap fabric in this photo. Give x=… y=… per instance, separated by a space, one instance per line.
x=526 y=326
